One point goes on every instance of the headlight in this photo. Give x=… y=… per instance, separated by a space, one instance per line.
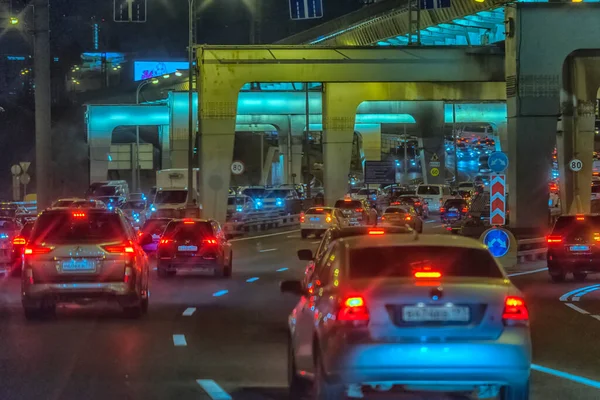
x=279 y=203
x=152 y=208
x=258 y=204
x=239 y=209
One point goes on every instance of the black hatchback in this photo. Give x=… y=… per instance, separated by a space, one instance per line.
x=453 y=210
x=574 y=247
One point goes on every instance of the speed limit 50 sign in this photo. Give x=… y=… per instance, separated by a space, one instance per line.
x=575 y=165
x=237 y=167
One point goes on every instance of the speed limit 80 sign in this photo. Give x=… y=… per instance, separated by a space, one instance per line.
x=575 y=165
x=237 y=167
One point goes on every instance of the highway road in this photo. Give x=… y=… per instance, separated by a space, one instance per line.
x=207 y=338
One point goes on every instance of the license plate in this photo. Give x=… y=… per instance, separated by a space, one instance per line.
x=187 y=248
x=451 y=214
x=435 y=314
x=429 y=200
x=579 y=248
x=78 y=265
x=314 y=219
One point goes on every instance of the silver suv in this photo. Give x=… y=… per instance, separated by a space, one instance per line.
x=77 y=255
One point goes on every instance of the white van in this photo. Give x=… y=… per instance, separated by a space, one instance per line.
x=434 y=194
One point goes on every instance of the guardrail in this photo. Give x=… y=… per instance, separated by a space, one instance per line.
x=255 y=221
x=532 y=249
x=30 y=206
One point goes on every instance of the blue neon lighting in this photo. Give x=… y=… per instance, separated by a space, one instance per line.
x=151 y=69
x=566 y=375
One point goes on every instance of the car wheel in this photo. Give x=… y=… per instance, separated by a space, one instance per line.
x=227 y=271
x=303 y=233
x=298 y=386
x=579 y=276
x=324 y=390
x=558 y=277
x=515 y=392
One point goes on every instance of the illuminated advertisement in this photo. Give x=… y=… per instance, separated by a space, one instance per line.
x=150 y=69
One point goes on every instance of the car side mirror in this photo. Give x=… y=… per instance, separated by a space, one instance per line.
x=305 y=255
x=293 y=287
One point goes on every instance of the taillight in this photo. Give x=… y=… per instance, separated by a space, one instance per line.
x=164 y=241
x=328 y=218
x=209 y=241
x=408 y=218
x=302 y=217
x=359 y=210
x=554 y=239
x=119 y=248
x=428 y=274
x=417 y=203
x=34 y=250
x=353 y=309
x=442 y=209
x=128 y=274
x=383 y=217
x=19 y=241
x=465 y=209
x=515 y=310
x=376 y=232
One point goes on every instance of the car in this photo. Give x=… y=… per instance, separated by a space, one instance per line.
x=358 y=212
x=135 y=211
x=453 y=210
x=151 y=232
x=317 y=220
x=80 y=256
x=194 y=244
x=335 y=233
x=408 y=312
x=573 y=247
x=434 y=194
x=420 y=205
x=9 y=229
x=402 y=216
x=18 y=244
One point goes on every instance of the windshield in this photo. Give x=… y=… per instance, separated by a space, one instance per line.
x=171 y=197
x=83 y=204
x=319 y=211
x=65 y=228
x=181 y=230
x=455 y=203
x=134 y=205
x=346 y=205
x=279 y=193
x=105 y=191
x=155 y=226
x=395 y=210
x=430 y=190
x=404 y=261
x=62 y=203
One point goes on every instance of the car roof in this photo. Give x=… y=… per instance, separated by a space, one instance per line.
x=412 y=240
x=364 y=230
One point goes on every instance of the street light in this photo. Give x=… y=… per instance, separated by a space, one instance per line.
x=14 y=20
x=137 y=185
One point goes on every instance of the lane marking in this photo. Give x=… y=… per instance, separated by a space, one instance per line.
x=535 y=271
x=566 y=296
x=581 y=294
x=293 y=236
x=252 y=279
x=220 y=293
x=282 y=269
x=566 y=375
x=316 y=241
x=429 y=221
x=574 y=307
x=264 y=236
x=179 y=340
x=595 y=317
x=189 y=311
x=266 y=250
x=211 y=388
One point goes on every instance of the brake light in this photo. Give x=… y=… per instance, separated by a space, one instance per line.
x=428 y=274
x=580 y=218
x=515 y=310
x=119 y=248
x=19 y=241
x=442 y=209
x=395 y=203
x=319 y=209
x=34 y=250
x=209 y=241
x=79 y=214
x=127 y=276
x=328 y=218
x=164 y=241
x=408 y=218
x=597 y=236
x=301 y=217
x=353 y=309
x=359 y=210
x=383 y=217
x=554 y=239
x=188 y=221
x=417 y=203
x=376 y=232
x=465 y=209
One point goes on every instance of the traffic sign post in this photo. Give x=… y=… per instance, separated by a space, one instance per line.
x=498 y=162
x=575 y=165
x=502 y=245
x=435 y=161
x=380 y=172
x=434 y=172
x=237 y=167
x=306 y=9
x=129 y=10
x=498 y=200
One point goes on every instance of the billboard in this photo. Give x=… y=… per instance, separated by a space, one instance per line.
x=150 y=69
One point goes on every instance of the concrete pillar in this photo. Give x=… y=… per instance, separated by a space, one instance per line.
x=429 y=116
x=178 y=106
x=294 y=153
x=501 y=136
x=339 y=112
x=164 y=138
x=371 y=140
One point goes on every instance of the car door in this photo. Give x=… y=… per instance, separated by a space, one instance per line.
x=307 y=311
x=310 y=267
x=223 y=243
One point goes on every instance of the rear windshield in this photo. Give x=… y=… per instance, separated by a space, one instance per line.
x=7 y=225
x=63 y=203
x=458 y=203
x=430 y=190
x=254 y=193
x=26 y=231
x=404 y=261
x=179 y=230
x=134 y=205
x=155 y=226
x=83 y=204
x=570 y=225
x=395 y=210
x=105 y=191
x=348 y=204
x=171 y=197
x=409 y=200
x=319 y=210
x=64 y=228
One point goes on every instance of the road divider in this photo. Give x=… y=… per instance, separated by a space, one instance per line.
x=179 y=340
x=189 y=311
x=258 y=221
x=566 y=375
x=220 y=293
x=213 y=390
x=254 y=279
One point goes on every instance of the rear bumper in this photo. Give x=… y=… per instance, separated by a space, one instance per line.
x=314 y=227
x=189 y=263
x=505 y=361
x=573 y=264
x=122 y=292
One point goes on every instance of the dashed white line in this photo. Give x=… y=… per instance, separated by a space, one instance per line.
x=316 y=241
x=437 y=226
x=220 y=293
x=429 y=221
x=282 y=269
x=211 y=388
x=535 y=271
x=266 y=250
x=179 y=340
x=595 y=317
x=264 y=236
x=250 y=280
x=574 y=307
x=189 y=311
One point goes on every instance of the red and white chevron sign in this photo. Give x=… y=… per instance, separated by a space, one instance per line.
x=498 y=200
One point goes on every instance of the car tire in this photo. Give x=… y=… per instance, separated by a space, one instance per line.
x=322 y=388
x=579 y=276
x=303 y=233
x=558 y=277
x=298 y=386
x=515 y=392
x=228 y=270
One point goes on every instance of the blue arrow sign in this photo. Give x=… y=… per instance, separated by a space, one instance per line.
x=497 y=241
x=498 y=162
x=306 y=9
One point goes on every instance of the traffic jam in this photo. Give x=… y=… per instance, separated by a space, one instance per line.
x=383 y=307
